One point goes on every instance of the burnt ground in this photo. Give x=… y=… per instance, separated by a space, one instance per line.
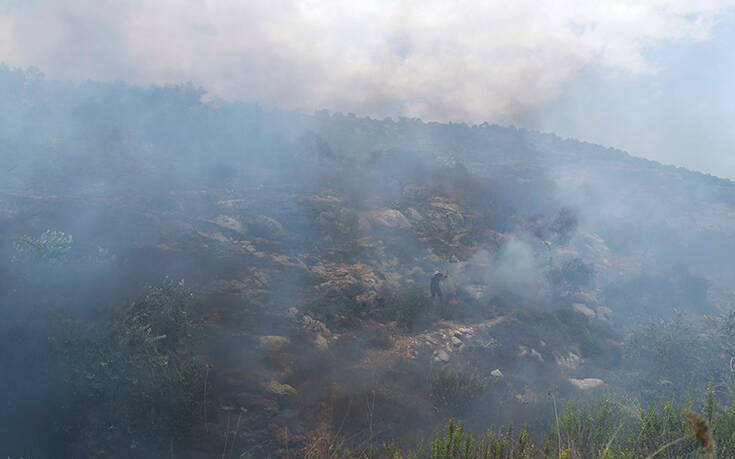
x=299 y=353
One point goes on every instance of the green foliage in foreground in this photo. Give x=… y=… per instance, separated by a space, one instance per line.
x=456 y=442
x=603 y=430
x=608 y=430
x=136 y=375
x=681 y=353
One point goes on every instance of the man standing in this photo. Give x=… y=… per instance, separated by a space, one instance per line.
x=436 y=290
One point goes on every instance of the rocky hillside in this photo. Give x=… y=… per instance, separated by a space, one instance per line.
x=308 y=243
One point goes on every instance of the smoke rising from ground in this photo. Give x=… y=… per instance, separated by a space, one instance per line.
x=514 y=268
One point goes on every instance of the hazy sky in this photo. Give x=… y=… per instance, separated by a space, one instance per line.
x=651 y=77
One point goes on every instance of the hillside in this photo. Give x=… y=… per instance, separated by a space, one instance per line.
x=306 y=244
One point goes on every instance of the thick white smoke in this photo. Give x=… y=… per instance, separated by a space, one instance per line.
x=439 y=60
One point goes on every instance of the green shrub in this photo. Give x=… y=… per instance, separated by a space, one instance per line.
x=610 y=430
x=160 y=322
x=55 y=262
x=456 y=442
x=407 y=307
x=680 y=352
x=49 y=247
x=723 y=430
x=455 y=389
x=659 y=425
x=584 y=433
x=133 y=379
x=572 y=274
x=604 y=429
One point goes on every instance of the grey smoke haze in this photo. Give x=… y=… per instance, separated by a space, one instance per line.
x=210 y=192
x=503 y=62
x=514 y=268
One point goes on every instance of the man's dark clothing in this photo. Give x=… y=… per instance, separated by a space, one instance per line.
x=436 y=290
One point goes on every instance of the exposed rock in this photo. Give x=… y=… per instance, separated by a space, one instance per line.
x=292 y=313
x=289 y=262
x=358 y=282
x=228 y=222
x=445 y=206
x=582 y=309
x=390 y=218
x=604 y=313
x=497 y=373
x=454 y=221
x=441 y=356
x=274 y=387
x=266 y=226
x=456 y=341
x=273 y=343
x=248 y=247
x=527 y=397
x=586 y=383
x=570 y=361
x=477 y=291
x=531 y=352
x=363 y=224
x=321 y=343
x=315 y=326
x=413 y=214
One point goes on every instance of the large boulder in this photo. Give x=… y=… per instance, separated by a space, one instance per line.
x=266 y=227
x=272 y=344
x=582 y=309
x=390 y=218
x=586 y=383
x=276 y=388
